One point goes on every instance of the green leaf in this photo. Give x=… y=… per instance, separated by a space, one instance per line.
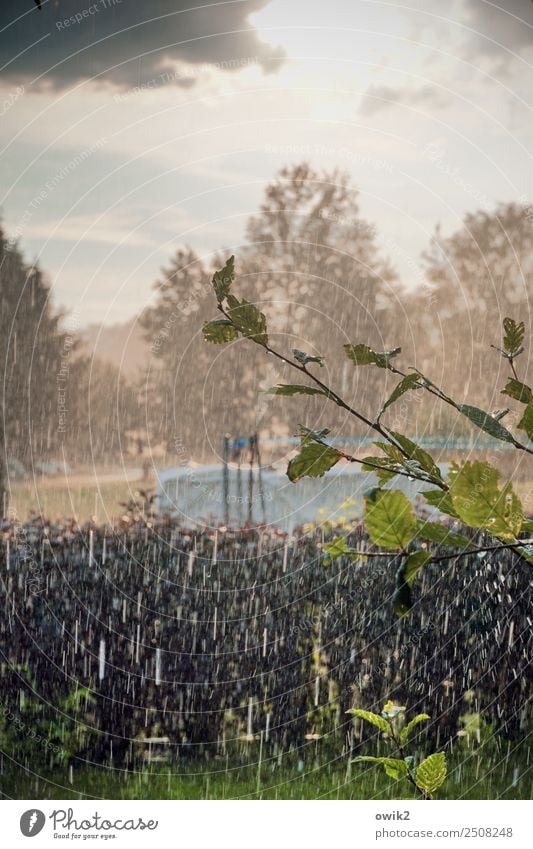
x=219 y=331
x=389 y=518
x=405 y=732
x=431 y=773
x=391 y=710
x=362 y=355
x=413 y=564
x=304 y=358
x=387 y=472
x=441 y=500
x=424 y=460
x=336 y=548
x=402 y=599
x=248 y=320
x=313 y=461
x=517 y=390
x=394 y=767
x=394 y=462
x=526 y=551
x=372 y=718
x=223 y=279
x=435 y=532
x=513 y=336
x=408 y=382
x=526 y=422
x=392 y=452
x=78 y=699
x=485 y=422
x=309 y=435
x=480 y=504
x=293 y=389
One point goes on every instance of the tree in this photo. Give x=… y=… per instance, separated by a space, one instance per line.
x=308 y=251
x=315 y=261
x=53 y=399
x=102 y=408
x=471 y=493
x=30 y=352
x=476 y=276
x=174 y=397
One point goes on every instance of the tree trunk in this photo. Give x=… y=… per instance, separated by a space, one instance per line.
x=4 y=499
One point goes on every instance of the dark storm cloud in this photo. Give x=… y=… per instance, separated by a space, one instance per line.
x=499 y=27
x=126 y=42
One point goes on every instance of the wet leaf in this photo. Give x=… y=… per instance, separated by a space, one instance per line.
x=304 y=358
x=309 y=435
x=435 y=532
x=362 y=355
x=517 y=390
x=514 y=332
x=422 y=457
x=394 y=767
x=391 y=710
x=293 y=389
x=248 y=320
x=405 y=732
x=314 y=460
x=382 y=468
x=526 y=422
x=413 y=564
x=219 y=331
x=389 y=518
x=336 y=548
x=402 y=600
x=485 y=422
x=408 y=382
x=431 y=773
x=223 y=279
x=372 y=718
x=481 y=504
x=441 y=500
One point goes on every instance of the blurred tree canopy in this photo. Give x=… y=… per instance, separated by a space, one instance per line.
x=313 y=264
x=55 y=403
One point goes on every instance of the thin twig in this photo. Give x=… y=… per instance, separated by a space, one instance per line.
x=438 y=393
x=401 y=752
x=509 y=546
x=331 y=395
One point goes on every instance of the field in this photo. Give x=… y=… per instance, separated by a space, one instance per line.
x=501 y=773
x=83 y=496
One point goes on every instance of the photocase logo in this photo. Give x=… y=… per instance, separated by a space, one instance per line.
x=32 y=822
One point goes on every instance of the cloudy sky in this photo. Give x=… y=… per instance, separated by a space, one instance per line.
x=129 y=128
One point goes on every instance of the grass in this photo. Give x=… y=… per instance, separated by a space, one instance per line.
x=82 y=497
x=470 y=776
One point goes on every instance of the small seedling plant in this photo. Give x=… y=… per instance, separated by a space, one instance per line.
x=471 y=494
x=428 y=775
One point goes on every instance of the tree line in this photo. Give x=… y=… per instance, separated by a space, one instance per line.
x=323 y=276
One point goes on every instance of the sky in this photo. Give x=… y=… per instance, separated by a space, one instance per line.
x=128 y=129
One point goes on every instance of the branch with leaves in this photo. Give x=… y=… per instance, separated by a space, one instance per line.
x=427 y=776
x=471 y=494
